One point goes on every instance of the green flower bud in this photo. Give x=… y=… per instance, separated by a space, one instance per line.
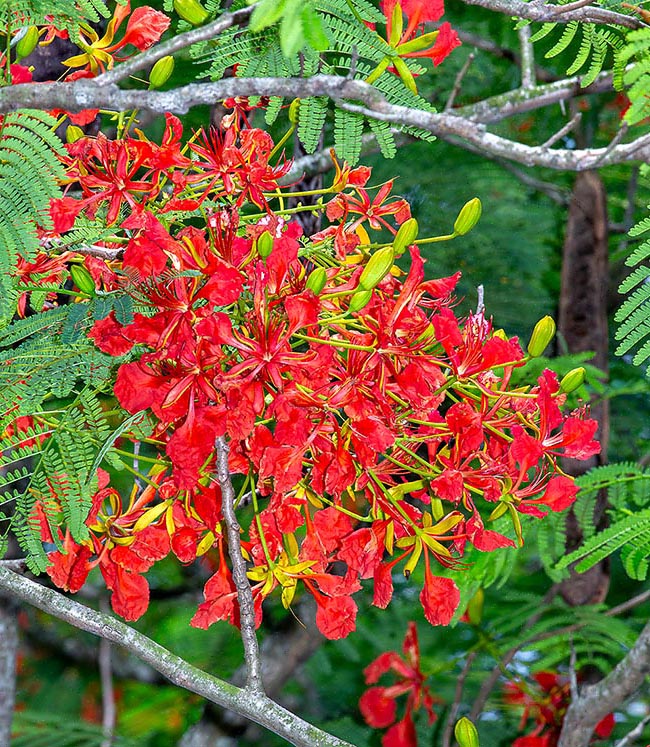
x=360 y=299
x=377 y=268
x=405 y=236
x=191 y=11
x=465 y=733
x=83 y=279
x=571 y=381
x=73 y=133
x=27 y=43
x=468 y=217
x=161 y=72
x=265 y=244
x=542 y=334
x=294 y=108
x=316 y=280
x=475 y=607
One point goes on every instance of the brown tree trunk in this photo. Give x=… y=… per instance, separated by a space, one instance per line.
x=582 y=325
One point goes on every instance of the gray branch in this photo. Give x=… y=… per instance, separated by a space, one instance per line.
x=256 y=707
x=244 y=592
x=8 y=657
x=555 y=14
x=84 y=94
x=597 y=700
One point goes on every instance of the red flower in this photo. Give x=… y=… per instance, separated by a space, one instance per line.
x=377 y=704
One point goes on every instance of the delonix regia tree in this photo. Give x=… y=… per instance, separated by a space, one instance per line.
x=187 y=374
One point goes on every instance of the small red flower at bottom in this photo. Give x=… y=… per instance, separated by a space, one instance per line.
x=377 y=704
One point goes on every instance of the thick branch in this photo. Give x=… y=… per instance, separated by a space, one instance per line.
x=597 y=700
x=254 y=706
x=8 y=657
x=244 y=593
x=83 y=94
x=555 y=14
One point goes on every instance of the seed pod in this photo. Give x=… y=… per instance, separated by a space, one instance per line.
x=377 y=268
x=191 y=11
x=405 y=236
x=465 y=733
x=83 y=279
x=161 y=72
x=27 y=43
x=316 y=280
x=571 y=381
x=73 y=133
x=265 y=244
x=542 y=334
x=468 y=217
x=360 y=299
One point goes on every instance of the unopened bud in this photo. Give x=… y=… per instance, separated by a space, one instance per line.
x=377 y=268
x=542 y=334
x=475 y=607
x=405 y=236
x=465 y=733
x=27 y=43
x=294 y=108
x=360 y=299
x=83 y=279
x=316 y=280
x=571 y=381
x=468 y=217
x=265 y=244
x=74 y=133
x=161 y=72
x=191 y=11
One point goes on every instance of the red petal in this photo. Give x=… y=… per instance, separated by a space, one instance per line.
x=440 y=599
x=377 y=710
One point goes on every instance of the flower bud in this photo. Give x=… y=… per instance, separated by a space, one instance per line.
x=574 y=379
x=475 y=607
x=161 y=72
x=542 y=334
x=465 y=733
x=377 y=268
x=73 y=133
x=27 y=43
x=468 y=217
x=294 y=108
x=316 y=280
x=83 y=279
x=191 y=11
x=265 y=244
x=405 y=236
x=360 y=299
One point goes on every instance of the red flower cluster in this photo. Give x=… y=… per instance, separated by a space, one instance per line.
x=370 y=425
x=546 y=704
x=378 y=705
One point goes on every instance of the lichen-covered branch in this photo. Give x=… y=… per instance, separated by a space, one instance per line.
x=244 y=593
x=256 y=707
x=597 y=700
x=8 y=658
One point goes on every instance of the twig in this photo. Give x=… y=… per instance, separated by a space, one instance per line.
x=19 y=565
x=458 y=694
x=244 y=593
x=175 y=44
x=615 y=140
x=573 y=669
x=559 y=9
x=563 y=131
x=253 y=706
x=629 y=738
x=458 y=82
x=480 y=302
x=109 y=713
x=527 y=58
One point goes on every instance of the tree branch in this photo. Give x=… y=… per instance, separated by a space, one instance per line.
x=8 y=657
x=240 y=577
x=83 y=94
x=601 y=698
x=254 y=706
x=556 y=14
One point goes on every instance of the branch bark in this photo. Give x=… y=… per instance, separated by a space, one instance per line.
x=597 y=700
x=256 y=707
x=8 y=657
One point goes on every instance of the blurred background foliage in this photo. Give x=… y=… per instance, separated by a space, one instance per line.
x=515 y=254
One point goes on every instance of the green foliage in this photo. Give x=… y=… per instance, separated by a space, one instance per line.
x=593 y=44
x=337 y=41
x=33 y=729
x=634 y=314
x=627 y=488
x=29 y=174
x=63 y=14
x=634 y=74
